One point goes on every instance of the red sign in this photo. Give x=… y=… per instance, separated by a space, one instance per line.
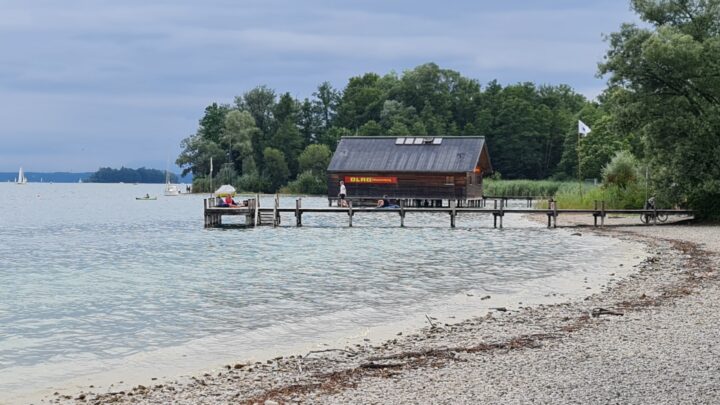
x=370 y=180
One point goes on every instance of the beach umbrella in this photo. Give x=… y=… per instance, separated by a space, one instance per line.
x=225 y=190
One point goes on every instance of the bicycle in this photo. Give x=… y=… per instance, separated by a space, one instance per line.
x=645 y=217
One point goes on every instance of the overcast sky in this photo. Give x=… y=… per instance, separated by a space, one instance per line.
x=85 y=84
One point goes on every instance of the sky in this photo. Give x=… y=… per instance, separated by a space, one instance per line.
x=96 y=83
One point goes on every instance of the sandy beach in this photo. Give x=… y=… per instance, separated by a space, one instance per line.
x=648 y=337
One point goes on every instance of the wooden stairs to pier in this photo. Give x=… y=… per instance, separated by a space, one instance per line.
x=268 y=218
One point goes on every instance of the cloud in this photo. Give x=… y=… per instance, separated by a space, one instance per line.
x=124 y=79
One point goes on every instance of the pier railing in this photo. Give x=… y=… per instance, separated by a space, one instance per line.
x=255 y=215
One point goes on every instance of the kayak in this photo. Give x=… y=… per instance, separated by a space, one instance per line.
x=146 y=198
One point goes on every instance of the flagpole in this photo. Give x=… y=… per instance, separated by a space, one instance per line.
x=577 y=148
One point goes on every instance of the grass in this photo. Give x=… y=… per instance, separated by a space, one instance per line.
x=568 y=194
x=524 y=188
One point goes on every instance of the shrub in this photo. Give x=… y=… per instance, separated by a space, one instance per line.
x=621 y=171
x=307 y=183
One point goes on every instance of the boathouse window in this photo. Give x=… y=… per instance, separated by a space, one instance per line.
x=418 y=141
x=409 y=141
x=449 y=180
x=437 y=141
x=399 y=141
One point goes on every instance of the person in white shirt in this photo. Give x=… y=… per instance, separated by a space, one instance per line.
x=343 y=194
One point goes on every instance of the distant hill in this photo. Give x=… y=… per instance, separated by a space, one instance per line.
x=64 y=177
x=54 y=177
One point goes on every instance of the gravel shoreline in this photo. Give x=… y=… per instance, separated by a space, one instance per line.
x=647 y=338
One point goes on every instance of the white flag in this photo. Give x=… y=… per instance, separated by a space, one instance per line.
x=583 y=129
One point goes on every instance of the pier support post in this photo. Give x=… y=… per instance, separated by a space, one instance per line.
x=502 y=211
x=452 y=214
x=257 y=210
x=402 y=213
x=298 y=213
x=495 y=215
x=602 y=213
x=276 y=214
x=350 y=212
x=595 y=214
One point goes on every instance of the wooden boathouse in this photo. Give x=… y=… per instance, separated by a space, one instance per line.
x=423 y=171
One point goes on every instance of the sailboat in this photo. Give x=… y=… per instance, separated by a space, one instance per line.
x=21 y=179
x=170 y=189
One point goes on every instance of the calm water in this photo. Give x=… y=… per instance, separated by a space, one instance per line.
x=93 y=281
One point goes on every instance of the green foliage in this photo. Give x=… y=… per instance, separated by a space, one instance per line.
x=307 y=183
x=665 y=84
x=237 y=136
x=227 y=175
x=621 y=171
x=315 y=158
x=570 y=196
x=253 y=182
x=276 y=171
x=522 y=188
x=127 y=175
x=203 y=185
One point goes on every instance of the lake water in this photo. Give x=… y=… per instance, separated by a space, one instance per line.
x=96 y=287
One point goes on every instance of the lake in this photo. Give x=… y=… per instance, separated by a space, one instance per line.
x=97 y=287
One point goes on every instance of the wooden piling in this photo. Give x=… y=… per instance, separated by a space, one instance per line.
x=298 y=213
x=452 y=214
x=502 y=212
x=257 y=210
x=402 y=213
x=350 y=212
x=276 y=215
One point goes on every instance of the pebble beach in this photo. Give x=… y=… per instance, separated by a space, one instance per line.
x=648 y=337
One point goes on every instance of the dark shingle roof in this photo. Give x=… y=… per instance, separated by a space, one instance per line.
x=382 y=154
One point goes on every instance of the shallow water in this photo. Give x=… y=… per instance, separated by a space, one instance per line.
x=93 y=281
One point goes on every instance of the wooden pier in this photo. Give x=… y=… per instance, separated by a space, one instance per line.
x=255 y=215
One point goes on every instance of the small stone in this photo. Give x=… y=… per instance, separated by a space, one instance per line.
x=238 y=366
x=271 y=402
x=487 y=297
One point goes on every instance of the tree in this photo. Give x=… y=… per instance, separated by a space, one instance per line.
x=370 y=128
x=213 y=122
x=276 y=171
x=288 y=140
x=327 y=101
x=237 y=137
x=667 y=77
x=315 y=159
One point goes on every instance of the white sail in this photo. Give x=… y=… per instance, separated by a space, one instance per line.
x=170 y=189
x=21 y=179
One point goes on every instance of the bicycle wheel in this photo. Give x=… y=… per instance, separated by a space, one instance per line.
x=662 y=217
x=644 y=218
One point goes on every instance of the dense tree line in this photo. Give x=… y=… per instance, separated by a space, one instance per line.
x=661 y=106
x=127 y=175
x=264 y=140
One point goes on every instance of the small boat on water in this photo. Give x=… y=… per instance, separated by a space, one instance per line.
x=146 y=198
x=170 y=189
x=21 y=179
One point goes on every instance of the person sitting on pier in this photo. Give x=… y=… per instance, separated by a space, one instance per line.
x=229 y=201
x=386 y=203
